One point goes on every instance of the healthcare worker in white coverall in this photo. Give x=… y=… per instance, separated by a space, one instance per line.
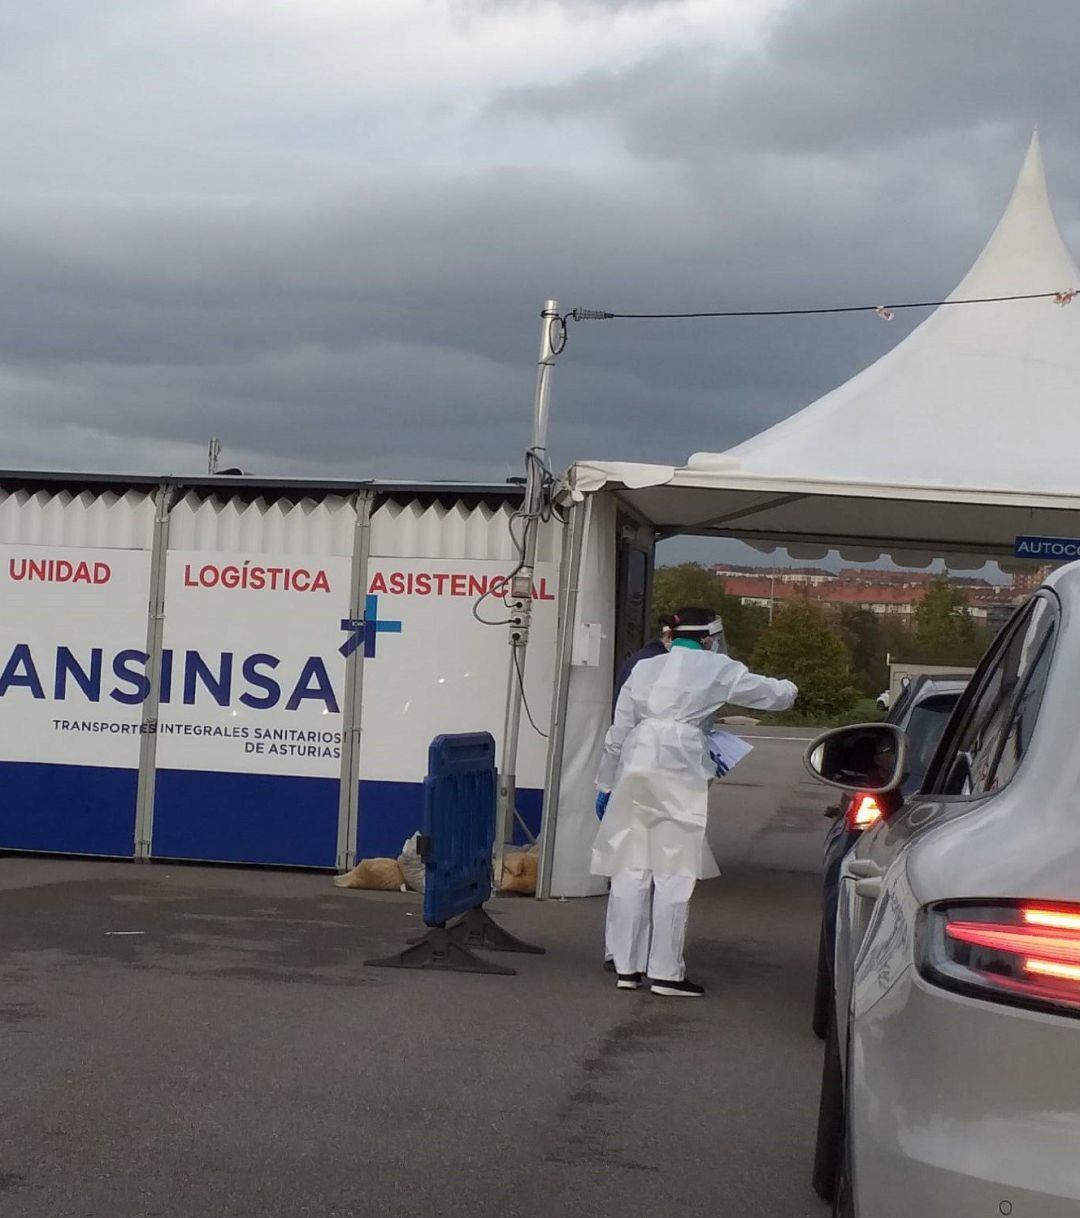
x=653 y=797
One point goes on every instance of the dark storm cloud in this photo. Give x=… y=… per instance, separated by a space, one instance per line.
x=842 y=77
x=488 y=7
x=388 y=325
x=398 y=328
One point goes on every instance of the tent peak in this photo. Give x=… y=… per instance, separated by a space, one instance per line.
x=978 y=395
x=1032 y=170
x=1026 y=251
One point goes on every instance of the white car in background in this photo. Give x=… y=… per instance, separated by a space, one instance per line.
x=951 y=1086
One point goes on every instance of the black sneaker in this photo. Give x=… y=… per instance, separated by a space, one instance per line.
x=629 y=981
x=609 y=966
x=677 y=989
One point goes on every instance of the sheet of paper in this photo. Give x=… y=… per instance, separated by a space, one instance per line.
x=727 y=750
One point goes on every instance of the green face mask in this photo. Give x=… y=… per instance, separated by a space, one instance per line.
x=692 y=644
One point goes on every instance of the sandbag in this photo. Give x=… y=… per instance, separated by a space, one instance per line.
x=514 y=862
x=519 y=871
x=383 y=875
x=412 y=865
x=523 y=884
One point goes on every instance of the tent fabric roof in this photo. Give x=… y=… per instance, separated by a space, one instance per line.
x=958 y=439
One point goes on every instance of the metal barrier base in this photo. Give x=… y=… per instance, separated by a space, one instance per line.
x=478 y=928
x=438 y=950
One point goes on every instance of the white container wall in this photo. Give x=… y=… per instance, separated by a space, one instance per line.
x=250 y=723
x=439 y=669
x=75 y=571
x=287 y=631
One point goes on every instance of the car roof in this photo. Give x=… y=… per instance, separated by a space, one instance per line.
x=940 y=685
x=1065 y=580
x=925 y=686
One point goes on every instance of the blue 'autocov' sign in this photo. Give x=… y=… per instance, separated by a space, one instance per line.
x=1048 y=549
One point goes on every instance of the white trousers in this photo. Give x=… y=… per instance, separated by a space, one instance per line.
x=646 y=923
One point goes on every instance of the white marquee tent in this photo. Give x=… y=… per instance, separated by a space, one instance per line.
x=959 y=440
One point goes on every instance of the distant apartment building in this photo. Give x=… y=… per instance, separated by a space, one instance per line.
x=766 y=591
x=805 y=576
x=887 y=593
x=1026 y=581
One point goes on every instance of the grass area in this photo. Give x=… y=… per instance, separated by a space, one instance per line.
x=864 y=711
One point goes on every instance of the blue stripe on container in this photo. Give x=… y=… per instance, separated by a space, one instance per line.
x=391 y=812
x=203 y=815
x=67 y=809
x=246 y=818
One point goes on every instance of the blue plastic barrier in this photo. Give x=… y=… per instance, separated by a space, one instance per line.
x=459 y=825
x=456 y=845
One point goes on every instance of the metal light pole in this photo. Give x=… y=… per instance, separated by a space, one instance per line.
x=521 y=584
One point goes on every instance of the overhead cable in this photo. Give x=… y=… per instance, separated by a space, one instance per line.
x=884 y=311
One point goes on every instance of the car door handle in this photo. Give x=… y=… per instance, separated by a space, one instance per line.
x=864 y=869
x=869 y=890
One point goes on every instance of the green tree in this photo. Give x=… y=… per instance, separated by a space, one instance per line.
x=803 y=646
x=692 y=584
x=687 y=584
x=898 y=637
x=945 y=631
x=864 y=633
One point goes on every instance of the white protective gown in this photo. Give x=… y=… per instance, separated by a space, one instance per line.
x=656 y=760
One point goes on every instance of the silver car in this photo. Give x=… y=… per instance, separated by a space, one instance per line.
x=951 y=1086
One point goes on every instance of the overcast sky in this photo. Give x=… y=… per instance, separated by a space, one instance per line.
x=323 y=229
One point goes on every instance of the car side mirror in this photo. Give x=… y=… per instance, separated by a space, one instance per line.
x=870 y=757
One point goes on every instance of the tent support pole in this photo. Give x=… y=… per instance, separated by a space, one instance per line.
x=155 y=639
x=353 y=708
x=728 y=517
x=569 y=578
x=987 y=551
x=521 y=587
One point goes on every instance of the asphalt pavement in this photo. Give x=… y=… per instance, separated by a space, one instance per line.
x=769 y=812
x=189 y=1042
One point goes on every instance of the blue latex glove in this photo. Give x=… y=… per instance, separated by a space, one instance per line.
x=602 y=798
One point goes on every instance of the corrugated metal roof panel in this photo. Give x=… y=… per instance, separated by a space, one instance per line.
x=433 y=530
x=105 y=519
x=282 y=526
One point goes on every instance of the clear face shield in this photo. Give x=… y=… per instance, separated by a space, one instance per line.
x=714 y=640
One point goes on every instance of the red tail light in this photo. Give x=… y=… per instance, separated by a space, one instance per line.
x=863 y=811
x=1024 y=953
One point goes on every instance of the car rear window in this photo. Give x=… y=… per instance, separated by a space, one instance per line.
x=924 y=727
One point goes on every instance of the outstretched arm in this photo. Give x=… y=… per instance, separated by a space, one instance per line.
x=762 y=693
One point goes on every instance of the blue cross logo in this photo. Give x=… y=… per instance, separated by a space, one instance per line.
x=366 y=629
